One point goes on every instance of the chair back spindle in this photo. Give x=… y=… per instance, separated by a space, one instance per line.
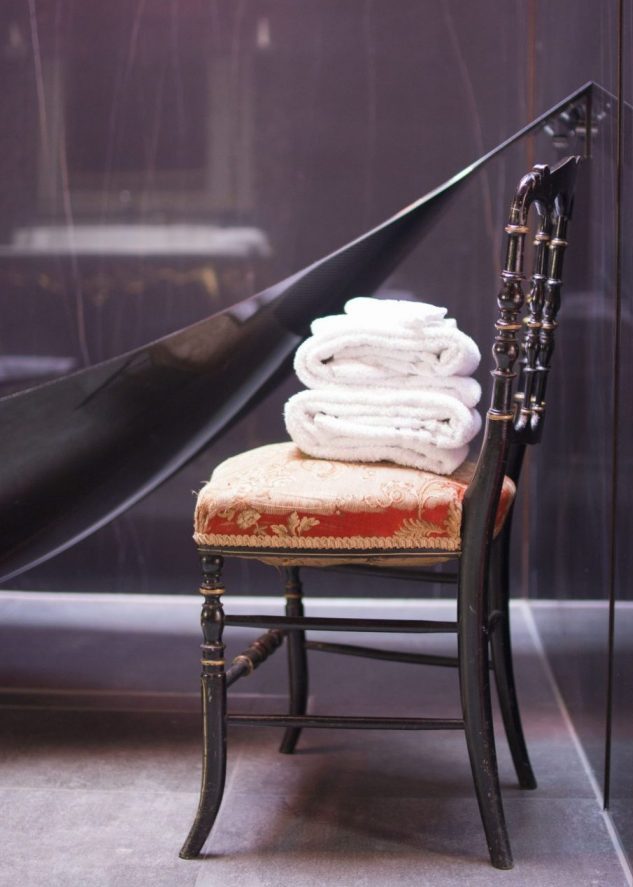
x=551 y=194
x=517 y=409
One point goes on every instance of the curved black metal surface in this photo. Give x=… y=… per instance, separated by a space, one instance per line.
x=76 y=452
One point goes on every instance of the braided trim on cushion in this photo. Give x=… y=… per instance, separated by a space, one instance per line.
x=333 y=560
x=303 y=559
x=335 y=543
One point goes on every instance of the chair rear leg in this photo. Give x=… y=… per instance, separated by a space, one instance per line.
x=297 y=660
x=501 y=649
x=477 y=711
x=213 y=686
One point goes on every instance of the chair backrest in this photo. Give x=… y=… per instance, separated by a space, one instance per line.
x=517 y=409
x=551 y=193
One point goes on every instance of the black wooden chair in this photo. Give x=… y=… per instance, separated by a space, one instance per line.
x=281 y=507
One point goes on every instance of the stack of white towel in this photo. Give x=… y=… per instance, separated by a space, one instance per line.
x=388 y=380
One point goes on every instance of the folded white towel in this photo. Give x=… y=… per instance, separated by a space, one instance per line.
x=421 y=429
x=357 y=372
x=346 y=350
x=389 y=343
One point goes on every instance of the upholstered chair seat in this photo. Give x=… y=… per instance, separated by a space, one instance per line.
x=280 y=506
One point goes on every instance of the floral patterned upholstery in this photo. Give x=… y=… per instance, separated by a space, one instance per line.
x=278 y=505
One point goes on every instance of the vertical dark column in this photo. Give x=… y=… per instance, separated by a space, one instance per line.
x=619 y=760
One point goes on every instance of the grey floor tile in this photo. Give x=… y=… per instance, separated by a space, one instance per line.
x=104 y=750
x=576 y=640
x=397 y=764
x=94 y=839
x=99 y=750
x=317 y=840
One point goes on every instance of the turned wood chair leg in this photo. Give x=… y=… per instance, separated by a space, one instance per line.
x=297 y=660
x=474 y=681
x=213 y=686
x=501 y=650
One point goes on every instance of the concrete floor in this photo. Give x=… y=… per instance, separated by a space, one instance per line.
x=99 y=762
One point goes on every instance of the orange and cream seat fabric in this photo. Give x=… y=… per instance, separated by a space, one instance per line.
x=280 y=506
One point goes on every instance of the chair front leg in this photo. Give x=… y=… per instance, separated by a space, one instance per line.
x=501 y=649
x=474 y=678
x=213 y=686
x=297 y=660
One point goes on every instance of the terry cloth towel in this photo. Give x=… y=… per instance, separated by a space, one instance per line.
x=421 y=429
x=385 y=347
x=412 y=313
